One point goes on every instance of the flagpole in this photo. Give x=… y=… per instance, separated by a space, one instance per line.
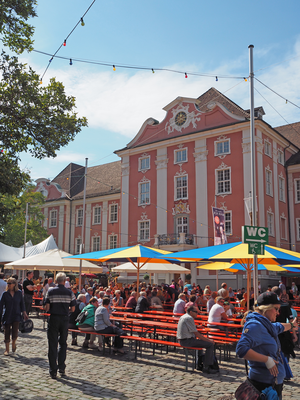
x=253 y=165
x=83 y=220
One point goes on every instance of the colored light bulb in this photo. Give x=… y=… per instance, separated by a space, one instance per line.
x=82 y=22
x=185 y=75
x=71 y=62
x=114 y=67
x=65 y=42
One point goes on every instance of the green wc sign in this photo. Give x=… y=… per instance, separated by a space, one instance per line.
x=256 y=237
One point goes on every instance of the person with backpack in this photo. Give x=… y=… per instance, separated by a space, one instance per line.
x=85 y=323
x=80 y=304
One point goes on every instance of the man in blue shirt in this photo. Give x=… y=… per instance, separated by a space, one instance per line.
x=59 y=302
x=179 y=306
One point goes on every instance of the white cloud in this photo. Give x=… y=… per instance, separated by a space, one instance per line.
x=121 y=102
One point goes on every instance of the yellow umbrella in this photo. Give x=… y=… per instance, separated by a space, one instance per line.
x=235 y=267
x=137 y=255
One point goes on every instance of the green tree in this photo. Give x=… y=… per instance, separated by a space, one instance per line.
x=16 y=31
x=13 y=232
x=34 y=118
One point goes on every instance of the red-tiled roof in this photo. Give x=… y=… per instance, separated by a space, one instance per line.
x=290 y=132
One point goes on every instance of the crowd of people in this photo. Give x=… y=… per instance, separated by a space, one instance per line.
x=268 y=339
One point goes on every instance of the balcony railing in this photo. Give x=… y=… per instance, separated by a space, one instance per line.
x=175 y=238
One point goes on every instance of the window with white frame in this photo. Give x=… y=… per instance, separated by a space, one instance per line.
x=95 y=243
x=181 y=187
x=53 y=219
x=180 y=156
x=112 y=241
x=228 y=223
x=281 y=188
x=298 y=228
x=144 y=193
x=223 y=181
x=283 y=228
x=297 y=190
x=222 y=147
x=269 y=186
x=77 y=245
x=96 y=215
x=113 y=214
x=79 y=217
x=144 y=163
x=144 y=230
x=181 y=225
x=270 y=223
x=280 y=157
x=268 y=149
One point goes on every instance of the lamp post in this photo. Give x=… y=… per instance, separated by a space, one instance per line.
x=83 y=223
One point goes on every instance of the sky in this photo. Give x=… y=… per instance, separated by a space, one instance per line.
x=192 y=36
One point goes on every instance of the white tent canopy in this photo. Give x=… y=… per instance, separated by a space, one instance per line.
x=8 y=254
x=53 y=260
x=153 y=268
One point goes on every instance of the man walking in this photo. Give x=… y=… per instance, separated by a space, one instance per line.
x=188 y=336
x=28 y=287
x=59 y=302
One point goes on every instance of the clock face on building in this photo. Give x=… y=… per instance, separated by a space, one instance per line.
x=180 y=118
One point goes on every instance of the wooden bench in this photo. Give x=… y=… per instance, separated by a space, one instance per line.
x=36 y=308
x=105 y=335
x=139 y=340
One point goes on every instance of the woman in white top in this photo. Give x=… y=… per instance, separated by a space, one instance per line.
x=218 y=313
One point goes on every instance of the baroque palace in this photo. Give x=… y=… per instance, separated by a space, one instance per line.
x=162 y=190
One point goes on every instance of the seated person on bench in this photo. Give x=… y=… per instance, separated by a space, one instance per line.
x=103 y=325
x=188 y=336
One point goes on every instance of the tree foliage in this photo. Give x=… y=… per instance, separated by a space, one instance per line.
x=13 y=232
x=33 y=118
x=14 y=27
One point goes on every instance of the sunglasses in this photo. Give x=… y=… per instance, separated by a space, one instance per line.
x=277 y=309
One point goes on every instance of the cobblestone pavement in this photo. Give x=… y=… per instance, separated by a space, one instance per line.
x=90 y=375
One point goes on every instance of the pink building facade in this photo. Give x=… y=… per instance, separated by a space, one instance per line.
x=173 y=172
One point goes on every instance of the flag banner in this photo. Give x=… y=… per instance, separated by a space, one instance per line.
x=219 y=226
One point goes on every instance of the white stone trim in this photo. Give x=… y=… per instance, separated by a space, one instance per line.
x=201 y=192
x=161 y=190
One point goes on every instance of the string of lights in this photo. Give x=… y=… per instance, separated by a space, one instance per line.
x=279 y=95
x=288 y=123
x=135 y=237
x=64 y=43
x=114 y=67
x=130 y=235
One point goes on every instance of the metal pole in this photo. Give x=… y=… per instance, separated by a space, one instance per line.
x=26 y=218
x=253 y=165
x=83 y=221
x=24 y=249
